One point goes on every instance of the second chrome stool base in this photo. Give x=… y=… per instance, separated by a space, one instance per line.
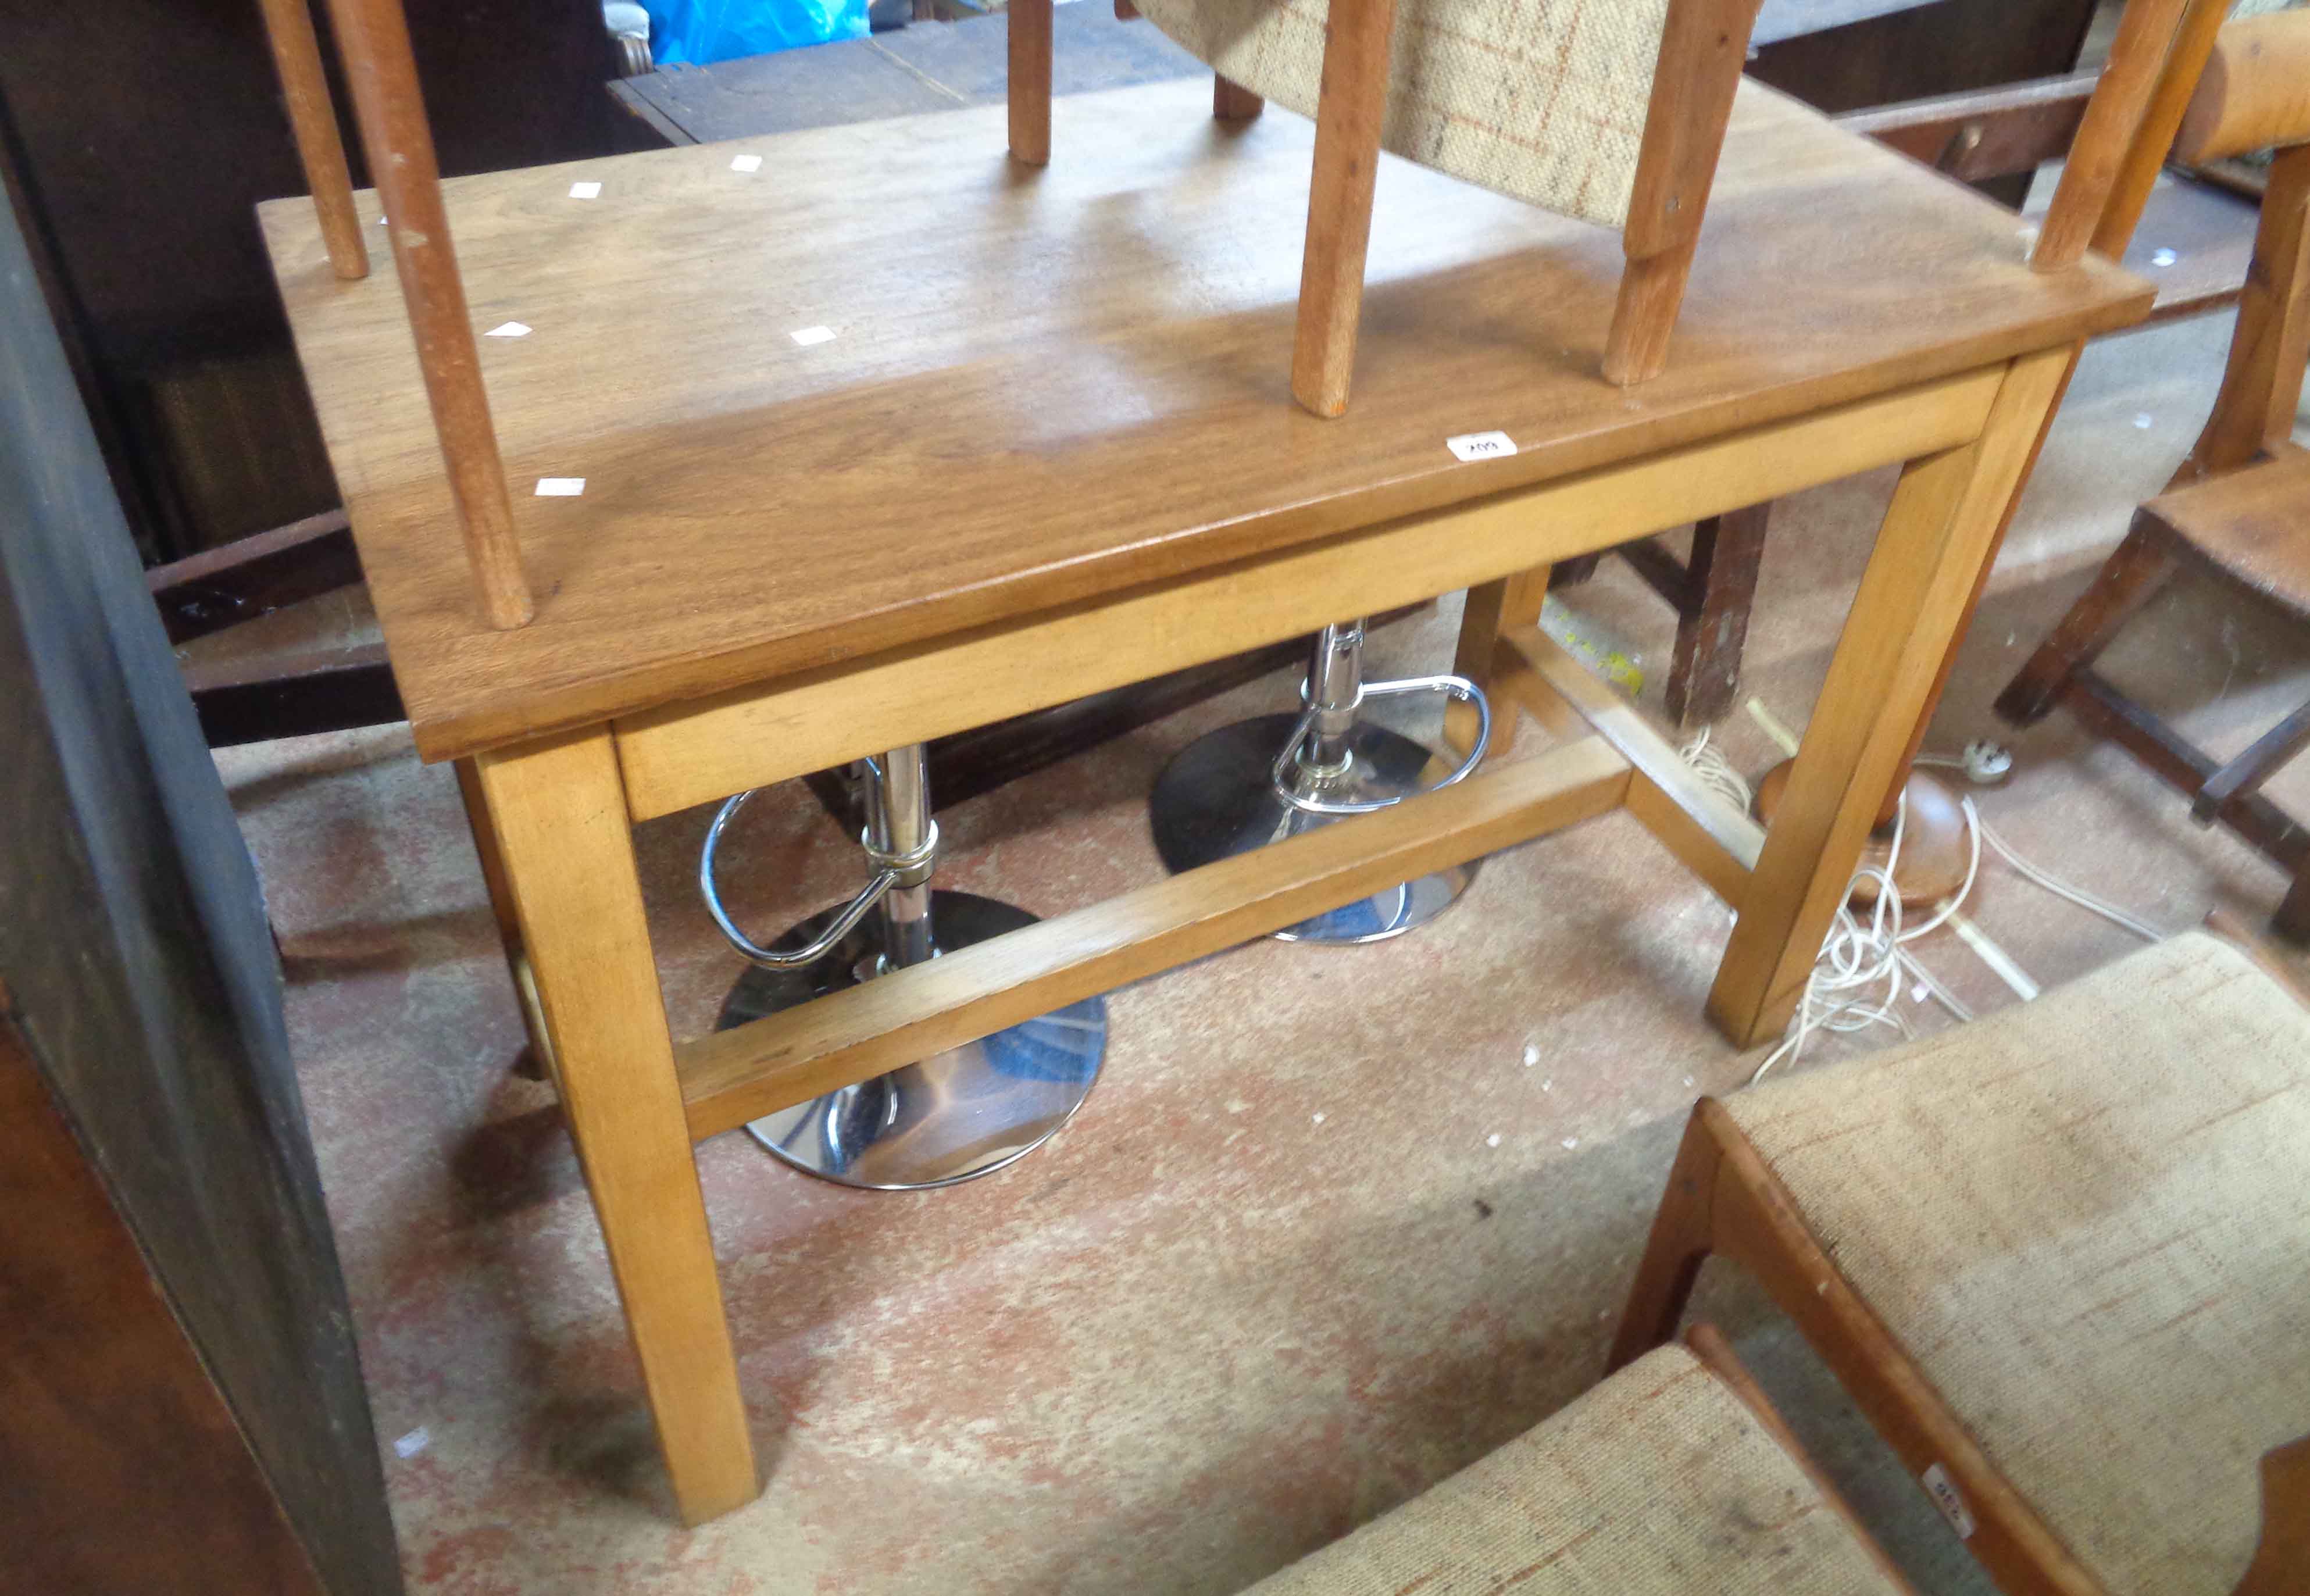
x=969 y=1111
x=1261 y=781
x=1216 y=799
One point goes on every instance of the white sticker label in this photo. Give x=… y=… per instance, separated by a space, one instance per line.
x=1481 y=446
x=810 y=335
x=747 y=163
x=585 y=191
x=561 y=486
x=1944 y=1493
x=414 y=1442
x=512 y=329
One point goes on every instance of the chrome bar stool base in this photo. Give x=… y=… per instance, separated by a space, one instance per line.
x=1215 y=800
x=969 y=1111
x=966 y=1112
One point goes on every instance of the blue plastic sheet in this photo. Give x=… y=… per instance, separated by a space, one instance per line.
x=697 y=31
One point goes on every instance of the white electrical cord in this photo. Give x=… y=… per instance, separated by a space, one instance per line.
x=1858 y=980
x=1716 y=771
x=1864 y=967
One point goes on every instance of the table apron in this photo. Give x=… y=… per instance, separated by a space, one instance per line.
x=706 y=750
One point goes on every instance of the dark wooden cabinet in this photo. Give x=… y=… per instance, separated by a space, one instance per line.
x=181 y=1406
x=142 y=133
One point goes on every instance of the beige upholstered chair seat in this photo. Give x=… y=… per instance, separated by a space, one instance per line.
x=1541 y=99
x=2087 y=1219
x=1660 y=1480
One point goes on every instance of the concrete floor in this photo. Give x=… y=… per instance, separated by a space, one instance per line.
x=1337 y=1221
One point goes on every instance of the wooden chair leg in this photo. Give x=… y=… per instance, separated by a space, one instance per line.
x=374 y=37
x=2136 y=570
x=1701 y=53
x=1682 y=1237
x=558 y=810
x=1232 y=102
x=1914 y=597
x=1712 y=627
x=1349 y=116
x=1756 y=1224
x=297 y=56
x=2282 y=1562
x=1572 y=572
x=2105 y=136
x=1492 y=608
x=2292 y=921
x=1644 y=315
x=1030 y=90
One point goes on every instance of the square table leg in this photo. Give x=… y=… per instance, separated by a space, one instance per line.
x=1491 y=609
x=558 y=811
x=1915 y=597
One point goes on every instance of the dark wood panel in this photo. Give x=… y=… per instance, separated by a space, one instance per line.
x=296 y=696
x=121 y=1468
x=1942 y=49
x=148 y=131
x=133 y=940
x=223 y=587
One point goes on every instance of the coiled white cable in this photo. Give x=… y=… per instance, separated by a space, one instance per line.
x=1858 y=979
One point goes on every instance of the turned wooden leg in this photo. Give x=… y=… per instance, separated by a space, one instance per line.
x=558 y=810
x=313 y=120
x=1712 y=626
x=2134 y=572
x=1349 y=115
x=1680 y=1242
x=1643 y=316
x=1490 y=610
x=1030 y=90
x=1914 y=599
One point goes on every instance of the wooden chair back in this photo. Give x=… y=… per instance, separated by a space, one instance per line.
x=2254 y=94
x=1655 y=192
x=1688 y=103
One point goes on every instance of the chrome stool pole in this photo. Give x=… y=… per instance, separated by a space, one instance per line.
x=1262 y=780
x=968 y=1111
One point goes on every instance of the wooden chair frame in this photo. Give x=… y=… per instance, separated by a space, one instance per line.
x=2251 y=423
x=1723 y=1199
x=1702 y=49
x=1712 y=592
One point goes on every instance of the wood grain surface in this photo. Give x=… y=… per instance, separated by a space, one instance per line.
x=1045 y=386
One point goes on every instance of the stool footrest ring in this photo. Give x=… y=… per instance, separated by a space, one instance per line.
x=1456 y=687
x=891 y=872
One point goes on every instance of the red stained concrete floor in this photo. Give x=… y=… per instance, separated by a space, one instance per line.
x=1321 y=1236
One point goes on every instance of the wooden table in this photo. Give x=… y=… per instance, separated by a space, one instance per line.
x=1049 y=449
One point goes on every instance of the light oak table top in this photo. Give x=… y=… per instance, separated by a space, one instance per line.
x=1048 y=386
